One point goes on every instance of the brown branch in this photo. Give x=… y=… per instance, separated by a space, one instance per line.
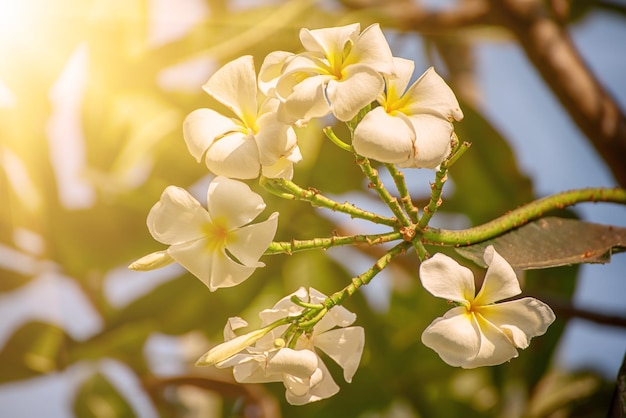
x=259 y=403
x=408 y=15
x=550 y=49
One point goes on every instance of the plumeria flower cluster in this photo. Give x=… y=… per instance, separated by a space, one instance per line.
x=264 y=355
x=353 y=76
x=341 y=71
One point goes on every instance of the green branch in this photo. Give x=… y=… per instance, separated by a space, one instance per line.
x=295 y=192
x=330 y=134
x=440 y=178
x=376 y=184
x=520 y=216
x=337 y=298
x=405 y=197
x=325 y=243
x=435 y=196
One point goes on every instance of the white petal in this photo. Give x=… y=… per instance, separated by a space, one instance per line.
x=298 y=386
x=283 y=168
x=500 y=279
x=443 y=277
x=274 y=139
x=249 y=368
x=299 y=363
x=306 y=101
x=299 y=67
x=235 y=155
x=338 y=316
x=359 y=87
x=284 y=307
x=456 y=337
x=233 y=323
x=228 y=273
x=383 y=137
x=242 y=358
x=495 y=346
x=432 y=141
x=520 y=319
x=235 y=86
x=396 y=86
x=233 y=201
x=345 y=346
x=202 y=126
x=196 y=257
x=254 y=372
x=372 y=49
x=272 y=69
x=430 y=94
x=251 y=241
x=329 y=41
x=177 y=217
x=321 y=386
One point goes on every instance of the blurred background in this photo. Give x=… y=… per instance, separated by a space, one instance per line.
x=92 y=98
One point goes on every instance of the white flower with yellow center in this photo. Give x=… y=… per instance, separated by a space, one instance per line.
x=302 y=371
x=252 y=143
x=340 y=72
x=480 y=332
x=216 y=245
x=411 y=127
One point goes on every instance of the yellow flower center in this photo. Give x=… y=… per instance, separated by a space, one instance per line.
x=217 y=234
x=337 y=60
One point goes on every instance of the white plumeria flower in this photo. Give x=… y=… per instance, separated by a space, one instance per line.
x=340 y=72
x=411 y=128
x=301 y=370
x=213 y=245
x=480 y=332
x=254 y=142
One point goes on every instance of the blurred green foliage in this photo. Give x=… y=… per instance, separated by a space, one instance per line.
x=131 y=124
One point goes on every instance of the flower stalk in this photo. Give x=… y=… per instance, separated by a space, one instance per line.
x=338 y=297
x=405 y=198
x=293 y=246
x=314 y=197
x=372 y=174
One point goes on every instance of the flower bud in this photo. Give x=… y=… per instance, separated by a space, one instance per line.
x=229 y=348
x=152 y=261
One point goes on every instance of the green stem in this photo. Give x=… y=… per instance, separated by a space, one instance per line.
x=422 y=253
x=405 y=197
x=435 y=196
x=314 y=197
x=308 y=324
x=338 y=297
x=440 y=178
x=520 y=216
x=330 y=134
x=325 y=243
x=376 y=184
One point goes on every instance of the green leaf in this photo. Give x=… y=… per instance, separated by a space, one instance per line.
x=33 y=349
x=552 y=242
x=97 y=397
